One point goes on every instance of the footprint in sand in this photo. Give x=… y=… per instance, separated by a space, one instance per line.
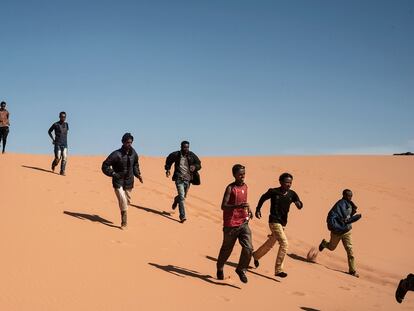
x=344 y=287
x=298 y=294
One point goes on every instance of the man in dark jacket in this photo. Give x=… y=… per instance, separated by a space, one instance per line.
x=186 y=167
x=339 y=221
x=60 y=141
x=122 y=165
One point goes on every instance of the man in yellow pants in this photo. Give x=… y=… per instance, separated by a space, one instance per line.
x=280 y=200
x=339 y=220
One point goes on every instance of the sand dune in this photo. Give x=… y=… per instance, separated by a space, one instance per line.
x=62 y=248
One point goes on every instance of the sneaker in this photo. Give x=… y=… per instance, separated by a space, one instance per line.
x=256 y=263
x=220 y=275
x=281 y=274
x=400 y=292
x=321 y=247
x=354 y=273
x=62 y=173
x=182 y=220
x=242 y=276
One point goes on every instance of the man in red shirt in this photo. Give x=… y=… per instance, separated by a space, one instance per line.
x=236 y=215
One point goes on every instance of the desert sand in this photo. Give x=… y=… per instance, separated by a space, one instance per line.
x=61 y=248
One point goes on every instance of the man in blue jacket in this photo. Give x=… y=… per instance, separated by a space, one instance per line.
x=339 y=220
x=122 y=165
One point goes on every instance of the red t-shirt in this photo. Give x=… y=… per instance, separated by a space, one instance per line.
x=234 y=217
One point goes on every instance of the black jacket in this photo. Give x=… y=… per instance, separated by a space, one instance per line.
x=122 y=167
x=174 y=158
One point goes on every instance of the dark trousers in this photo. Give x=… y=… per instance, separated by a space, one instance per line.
x=4 y=132
x=230 y=236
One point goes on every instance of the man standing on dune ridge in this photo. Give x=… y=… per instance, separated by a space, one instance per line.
x=122 y=165
x=4 y=124
x=186 y=167
x=339 y=221
x=280 y=200
x=60 y=141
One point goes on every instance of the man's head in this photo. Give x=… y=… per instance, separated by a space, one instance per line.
x=239 y=172
x=347 y=195
x=3 y=105
x=62 y=116
x=285 y=181
x=127 y=140
x=185 y=147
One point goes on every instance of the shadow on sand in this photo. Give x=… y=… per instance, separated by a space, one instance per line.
x=183 y=272
x=93 y=218
x=300 y=258
x=38 y=169
x=154 y=211
x=234 y=265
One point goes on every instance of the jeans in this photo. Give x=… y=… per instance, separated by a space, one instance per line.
x=277 y=234
x=182 y=189
x=4 y=132
x=230 y=236
x=61 y=152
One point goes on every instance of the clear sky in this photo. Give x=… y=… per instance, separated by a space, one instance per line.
x=233 y=77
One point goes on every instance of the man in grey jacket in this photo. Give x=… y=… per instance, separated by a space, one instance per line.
x=339 y=220
x=122 y=165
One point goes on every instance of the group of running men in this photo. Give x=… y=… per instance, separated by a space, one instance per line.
x=123 y=164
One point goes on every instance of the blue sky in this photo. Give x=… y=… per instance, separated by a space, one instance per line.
x=233 y=77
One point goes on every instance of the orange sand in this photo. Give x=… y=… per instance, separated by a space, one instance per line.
x=62 y=250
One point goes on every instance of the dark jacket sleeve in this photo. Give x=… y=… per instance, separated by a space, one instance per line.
x=51 y=129
x=170 y=160
x=266 y=196
x=197 y=162
x=137 y=171
x=107 y=164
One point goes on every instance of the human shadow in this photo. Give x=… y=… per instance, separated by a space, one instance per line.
x=309 y=309
x=182 y=272
x=93 y=218
x=234 y=265
x=300 y=258
x=38 y=169
x=154 y=211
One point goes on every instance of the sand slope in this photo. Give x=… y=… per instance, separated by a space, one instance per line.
x=62 y=249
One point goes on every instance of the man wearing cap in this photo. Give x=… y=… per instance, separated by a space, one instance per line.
x=122 y=165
